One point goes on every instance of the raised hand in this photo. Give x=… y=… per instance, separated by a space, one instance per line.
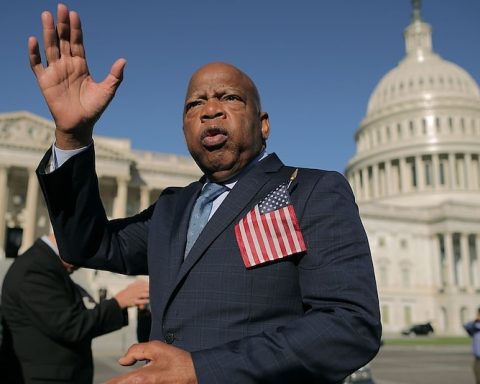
x=166 y=364
x=75 y=100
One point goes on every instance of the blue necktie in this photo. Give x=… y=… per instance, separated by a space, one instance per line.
x=201 y=212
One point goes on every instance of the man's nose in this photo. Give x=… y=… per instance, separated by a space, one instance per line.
x=212 y=109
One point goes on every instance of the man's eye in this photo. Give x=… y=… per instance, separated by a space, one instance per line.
x=231 y=98
x=191 y=105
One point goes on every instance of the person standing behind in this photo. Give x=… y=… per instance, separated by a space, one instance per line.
x=473 y=329
x=50 y=326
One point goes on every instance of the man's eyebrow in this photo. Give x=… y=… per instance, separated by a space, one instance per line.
x=219 y=91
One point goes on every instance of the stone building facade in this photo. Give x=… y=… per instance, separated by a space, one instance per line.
x=416 y=177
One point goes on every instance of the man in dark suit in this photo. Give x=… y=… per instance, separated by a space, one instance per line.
x=279 y=285
x=50 y=326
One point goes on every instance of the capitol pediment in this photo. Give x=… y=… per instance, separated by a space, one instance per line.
x=27 y=131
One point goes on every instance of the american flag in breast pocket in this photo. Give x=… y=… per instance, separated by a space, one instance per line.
x=270 y=231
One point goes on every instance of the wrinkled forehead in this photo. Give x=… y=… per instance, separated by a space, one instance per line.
x=215 y=77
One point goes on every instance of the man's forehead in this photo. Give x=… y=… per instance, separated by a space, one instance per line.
x=221 y=77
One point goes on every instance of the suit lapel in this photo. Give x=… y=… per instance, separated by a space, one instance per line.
x=239 y=201
x=184 y=206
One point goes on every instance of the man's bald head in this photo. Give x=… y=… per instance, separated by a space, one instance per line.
x=223 y=124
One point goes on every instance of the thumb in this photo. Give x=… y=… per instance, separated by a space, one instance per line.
x=115 y=77
x=135 y=353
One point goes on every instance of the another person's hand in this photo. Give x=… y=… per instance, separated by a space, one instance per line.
x=75 y=100
x=137 y=293
x=166 y=364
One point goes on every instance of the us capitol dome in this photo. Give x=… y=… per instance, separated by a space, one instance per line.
x=416 y=178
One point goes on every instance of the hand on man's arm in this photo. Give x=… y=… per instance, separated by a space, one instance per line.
x=135 y=294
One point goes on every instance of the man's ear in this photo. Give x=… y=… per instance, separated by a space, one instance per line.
x=265 y=125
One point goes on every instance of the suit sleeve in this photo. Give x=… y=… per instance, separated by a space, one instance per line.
x=84 y=234
x=340 y=329
x=57 y=309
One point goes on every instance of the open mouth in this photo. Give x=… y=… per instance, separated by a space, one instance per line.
x=214 y=137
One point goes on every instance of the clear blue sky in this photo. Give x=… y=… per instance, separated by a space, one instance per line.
x=315 y=62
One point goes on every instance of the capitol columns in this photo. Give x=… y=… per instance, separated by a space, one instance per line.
x=30 y=216
x=376 y=180
x=404 y=182
x=469 y=179
x=420 y=169
x=120 y=202
x=144 y=197
x=449 y=258
x=465 y=280
x=3 y=207
x=451 y=171
x=366 y=184
x=388 y=177
x=435 y=170
x=358 y=185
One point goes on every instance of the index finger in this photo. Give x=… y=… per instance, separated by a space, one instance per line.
x=34 y=56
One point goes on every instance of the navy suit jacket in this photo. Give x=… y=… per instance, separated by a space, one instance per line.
x=51 y=328
x=308 y=318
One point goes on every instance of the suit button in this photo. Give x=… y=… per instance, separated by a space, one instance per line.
x=169 y=337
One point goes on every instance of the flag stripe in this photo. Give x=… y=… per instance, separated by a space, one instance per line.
x=294 y=229
x=282 y=231
x=265 y=239
x=246 y=244
x=253 y=234
x=292 y=236
x=273 y=234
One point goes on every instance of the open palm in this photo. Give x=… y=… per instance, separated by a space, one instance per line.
x=75 y=100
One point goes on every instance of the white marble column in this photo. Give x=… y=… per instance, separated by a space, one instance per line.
x=120 y=203
x=435 y=171
x=449 y=258
x=356 y=185
x=404 y=181
x=461 y=173
x=30 y=215
x=475 y=174
x=420 y=170
x=144 y=197
x=451 y=171
x=469 y=181
x=465 y=280
x=366 y=182
x=389 y=183
x=3 y=208
x=437 y=262
x=375 y=180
